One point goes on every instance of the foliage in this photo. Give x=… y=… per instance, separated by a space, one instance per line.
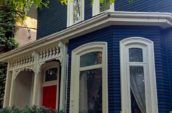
x=7 y=29
x=26 y=109
x=2 y=81
x=7 y=42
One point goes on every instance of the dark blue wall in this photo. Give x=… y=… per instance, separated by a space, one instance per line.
x=168 y=54
x=144 y=5
x=54 y=18
x=51 y=19
x=88 y=9
x=113 y=35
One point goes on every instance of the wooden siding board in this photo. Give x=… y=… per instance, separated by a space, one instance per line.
x=113 y=35
x=168 y=53
x=54 y=18
x=88 y=9
x=144 y=5
x=51 y=19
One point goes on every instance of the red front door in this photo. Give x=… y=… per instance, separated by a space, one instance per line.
x=49 y=96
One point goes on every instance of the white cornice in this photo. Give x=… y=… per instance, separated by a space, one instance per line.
x=163 y=20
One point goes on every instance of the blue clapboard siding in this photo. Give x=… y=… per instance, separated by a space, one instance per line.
x=54 y=18
x=168 y=52
x=144 y=5
x=88 y=9
x=51 y=19
x=113 y=35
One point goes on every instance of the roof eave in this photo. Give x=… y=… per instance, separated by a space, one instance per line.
x=163 y=20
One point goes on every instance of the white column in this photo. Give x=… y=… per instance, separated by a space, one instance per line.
x=7 y=88
x=63 y=86
x=11 y=101
x=36 y=89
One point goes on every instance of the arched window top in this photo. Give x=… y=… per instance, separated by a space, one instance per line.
x=136 y=40
x=90 y=47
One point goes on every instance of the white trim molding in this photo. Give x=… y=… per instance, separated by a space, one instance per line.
x=75 y=76
x=148 y=64
x=163 y=20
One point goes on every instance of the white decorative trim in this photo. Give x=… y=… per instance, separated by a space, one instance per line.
x=100 y=21
x=150 y=77
x=76 y=53
x=33 y=61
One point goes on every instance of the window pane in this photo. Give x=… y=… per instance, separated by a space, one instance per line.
x=76 y=10
x=137 y=89
x=91 y=59
x=90 y=93
x=51 y=74
x=105 y=5
x=135 y=55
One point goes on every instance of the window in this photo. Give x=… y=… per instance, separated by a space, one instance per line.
x=51 y=74
x=102 y=6
x=75 y=11
x=89 y=79
x=138 y=81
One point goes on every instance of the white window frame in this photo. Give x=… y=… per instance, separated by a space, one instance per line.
x=149 y=71
x=75 y=73
x=96 y=8
x=70 y=20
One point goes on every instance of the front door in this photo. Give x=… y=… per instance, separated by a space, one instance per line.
x=49 y=96
x=50 y=88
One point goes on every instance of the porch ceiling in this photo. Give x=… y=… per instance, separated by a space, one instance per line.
x=163 y=20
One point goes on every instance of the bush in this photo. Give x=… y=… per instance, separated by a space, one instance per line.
x=27 y=109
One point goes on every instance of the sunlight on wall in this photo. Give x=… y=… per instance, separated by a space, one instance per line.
x=26 y=31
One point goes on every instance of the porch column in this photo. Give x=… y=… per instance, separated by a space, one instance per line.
x=36 y=89
x=63 y=86
x=7 y=88
x=36 y=84
x=11 y=101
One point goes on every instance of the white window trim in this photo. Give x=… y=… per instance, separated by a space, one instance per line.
x=96 y=8
x=70 y=12
x=74 y=93
x=150 y=81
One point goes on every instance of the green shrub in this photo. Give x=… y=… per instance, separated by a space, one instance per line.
x=27 y=109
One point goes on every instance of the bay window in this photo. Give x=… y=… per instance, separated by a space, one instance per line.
x=89 y=79
x=138 y=81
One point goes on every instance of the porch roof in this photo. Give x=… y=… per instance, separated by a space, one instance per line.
x=163 y=20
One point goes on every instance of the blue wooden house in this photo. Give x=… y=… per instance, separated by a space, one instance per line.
x=96 y=58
